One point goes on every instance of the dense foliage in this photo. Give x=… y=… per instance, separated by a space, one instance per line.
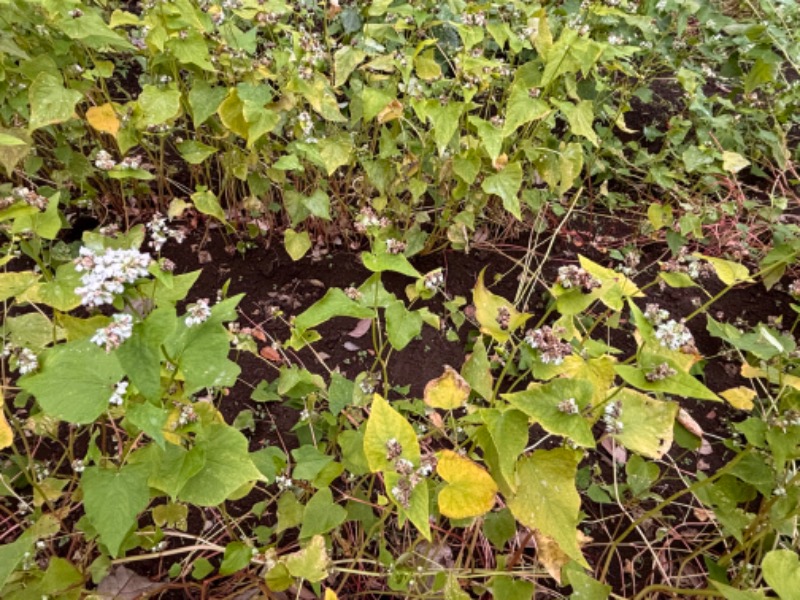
x=397 y=129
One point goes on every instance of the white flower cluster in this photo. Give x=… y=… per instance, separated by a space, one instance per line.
x=284 y=482
x=160 y=232
x=434 y=280
x=119 y=330
x=106 y=273
x=27 y=361
x=30 y=197
x=611 y=417
x=306 y=124
x=569 y=406
x=197 y=313
x=674 y=335
x=119 y=393
x=103 y=161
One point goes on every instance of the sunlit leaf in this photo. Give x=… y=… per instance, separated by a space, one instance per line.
x=310 y=563
x=647 y=423
x=386 y=427
x=496 y=315
x=470 y=491
x=782 y=571
x=103 y=118
x=448 y=391
x=547 y=499
x=50 y=101
x=740 y=397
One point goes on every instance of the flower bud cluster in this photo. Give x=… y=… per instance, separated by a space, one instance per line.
x=573 y=276
x=105 y=274
x=116 y=332
x=551 y=349
x=119 y=393
x=409 y=476
x=611 y=417
x=25 y=358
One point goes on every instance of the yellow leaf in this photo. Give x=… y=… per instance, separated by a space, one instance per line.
x=771 y=374
x=6 y=435
x=550 y=555
x=496 y=315
x=729 y=272
x=393 y=110
x=103 y=118
x=330 y=595
x=740 y=397
x=470 y=491
x=448 y=391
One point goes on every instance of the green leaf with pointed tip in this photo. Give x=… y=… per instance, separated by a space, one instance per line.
x=580 y=117
x=731 y=593
x=383 y=261
x=12 y=284
x=584 y=587
x=113 y=498
x=505 y=587
x=781 y=569
x=647 y=423
x=50 y=101
x=201 y=351
x=387 y=426
x=402 y=325
x=195 y=152
x=491 y=137
x=335 y=152
x=75 y=381
x=503 y=439
x=492 y=312
x=680 y=384
x=506 y=184
x=445 y=120
x=547 y=499
x=321 y=515
x=227 y=466
x=207 y=203
x=614 y=286
x=522 y=108
x=345 y=61
x=335 y=303
x=158 y=105
x=204 y=101
x=477 y=371
x=544 y=404
x=141 y=355
x=58 y=293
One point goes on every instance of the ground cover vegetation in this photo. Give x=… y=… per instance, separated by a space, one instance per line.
x=399 y=299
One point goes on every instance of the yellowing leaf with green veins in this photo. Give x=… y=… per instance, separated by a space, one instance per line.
x=496 y=315
x=647 y=423
x=740 y=397
x=448 y=391
x=386 y=427
x=729 y=272
x=103 y=118
x=547 y=499
x=470 y=490
x=310 y=563
x=427 y=67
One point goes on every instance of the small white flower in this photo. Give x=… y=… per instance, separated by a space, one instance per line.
x=197 y=313
x=104 y=161
x=119 y=392
x=27 y=361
